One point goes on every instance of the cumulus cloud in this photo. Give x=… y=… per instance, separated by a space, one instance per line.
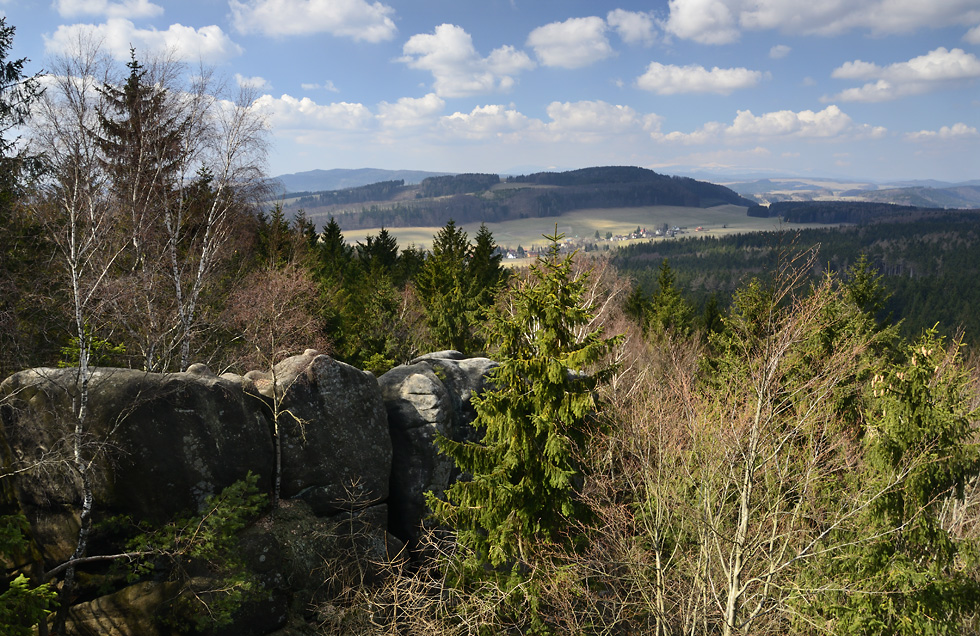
x=124 y=9
x=829 y=123
x=574 y=43
x=289 y=113
x=973 y=36
x=355 y=19
x=936 y=69
x=633 y=27
x=779 y=51
x=251 y=82
x=723 y=21
x=704 y=21
x=448 y=53
x=208 y=43
x=591 y=116
x=596 y=121
x=486 y=122
x=327 y=86
x=410 y=112
x=670 y=80
x=576 y=122
x=946 y=133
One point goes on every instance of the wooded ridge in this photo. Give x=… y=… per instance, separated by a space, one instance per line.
x=486 y=198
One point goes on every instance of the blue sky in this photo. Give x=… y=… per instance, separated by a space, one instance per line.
x=867 y=89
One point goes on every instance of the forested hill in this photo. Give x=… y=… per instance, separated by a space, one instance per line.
x=485 y=197
x=929 y=261
x=839 y=211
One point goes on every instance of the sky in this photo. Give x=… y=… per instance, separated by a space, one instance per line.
x=861 y=89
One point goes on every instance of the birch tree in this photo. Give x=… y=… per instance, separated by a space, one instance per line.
x=185 y=166
x=73 y=205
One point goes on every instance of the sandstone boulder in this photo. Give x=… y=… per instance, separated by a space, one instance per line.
x=160 y=445
x=431 y=394
x=336 y=450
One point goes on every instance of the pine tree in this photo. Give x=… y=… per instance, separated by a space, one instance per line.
x=140 y=137
x=542 y=410
x=485 y=269
x=334 y=255
x=444 y=288
x=379 y=252
x=670 y=312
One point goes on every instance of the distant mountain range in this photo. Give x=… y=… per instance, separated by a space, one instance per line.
x=756 y=187
x=922 y=193
x=339 y=179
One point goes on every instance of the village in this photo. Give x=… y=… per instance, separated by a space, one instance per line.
x=599 y=242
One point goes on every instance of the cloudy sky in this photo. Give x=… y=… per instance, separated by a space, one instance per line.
x=869 y=89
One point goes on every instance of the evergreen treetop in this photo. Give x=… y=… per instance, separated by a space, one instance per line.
x=524 y=471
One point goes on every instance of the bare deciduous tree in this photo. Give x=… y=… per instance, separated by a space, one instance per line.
x=275 y=313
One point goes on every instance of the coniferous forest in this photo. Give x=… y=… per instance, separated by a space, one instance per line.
x=763 y=434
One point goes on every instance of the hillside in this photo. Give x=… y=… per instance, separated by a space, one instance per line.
x=475 y=198
x=338 y=179
x=925 y=194
x=929 y=260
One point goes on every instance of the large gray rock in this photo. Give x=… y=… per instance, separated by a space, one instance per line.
x=336 y=451
x=160 y=445
x=430 y=395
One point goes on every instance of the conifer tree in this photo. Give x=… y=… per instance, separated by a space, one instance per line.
x=905 y=571
x=670 y=312
x=140 y=136
x=379 y=253
x=522 y=493
x=23 y=604
x=444 y=287
x=485 y=269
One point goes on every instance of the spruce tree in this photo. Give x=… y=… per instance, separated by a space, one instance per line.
x=140 y=138
x=334 y=255
x=670 y=312
x=485 y=269
x=524 y=472
x=444 y=288
x=905 y=571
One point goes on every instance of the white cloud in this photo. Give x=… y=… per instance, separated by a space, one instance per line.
x=410 y=112
x=486 y=122
x=596 y=122
x=289 y=113
x=124 y=9
x=591 y=116
x=704 y=21
x=973 y=36
x=327 y=86
x=574 y=43
x=208 y=43
x=356 y=19
x=723 y=21
x=779 y=51
x=448 y=53
x=829 y=123
x=671 y=80
x=857 y=69
x=922 y=74
x=633 y=27
x=946 y=133
x=251 y=82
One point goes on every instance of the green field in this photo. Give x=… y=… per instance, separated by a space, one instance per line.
x=717 y=221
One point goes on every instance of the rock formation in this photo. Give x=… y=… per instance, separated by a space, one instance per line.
x=432 y=394
x=353 y=448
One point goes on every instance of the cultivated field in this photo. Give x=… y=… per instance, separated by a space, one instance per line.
x=583 y=224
